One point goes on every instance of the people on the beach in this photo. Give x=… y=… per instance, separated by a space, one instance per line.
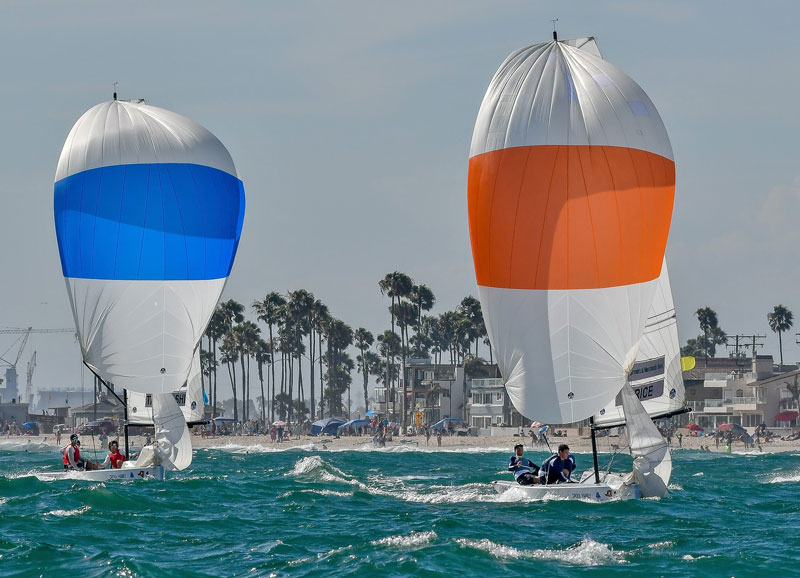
x=439 y=437
x=114 y=457
x=558 y=468
x=525 y=471
x=679 y=435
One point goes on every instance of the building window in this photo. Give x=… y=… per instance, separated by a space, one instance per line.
x=498 y=396
x=739 y=393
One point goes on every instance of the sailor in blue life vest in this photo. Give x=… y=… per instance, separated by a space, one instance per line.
x=558 y=468
x=524 y=470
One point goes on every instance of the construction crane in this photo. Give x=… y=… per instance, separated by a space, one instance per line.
x=11 y=373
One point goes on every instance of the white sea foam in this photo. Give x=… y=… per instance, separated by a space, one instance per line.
x=675 y=487
x=64 y=513
x=26 y=445
x=783 y=478
x=698 y=475
x=3 y=501
x=586 y=553
x=409 y=541
x=659 y=545
x=690 y=558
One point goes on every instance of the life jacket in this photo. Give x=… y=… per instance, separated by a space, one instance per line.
x=65 y=456
x=116 y=459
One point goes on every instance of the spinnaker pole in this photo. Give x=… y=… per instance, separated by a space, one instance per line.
x=594 y=452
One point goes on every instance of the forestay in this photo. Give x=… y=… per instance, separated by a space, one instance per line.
x=656 y=378
x=148 y=215
x=652 y=463
x=571 y=187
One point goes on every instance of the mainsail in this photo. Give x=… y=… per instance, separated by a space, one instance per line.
x=571 y=188
x=656 y=377
x=652 y=463
x=189 y=399
x=148 y=213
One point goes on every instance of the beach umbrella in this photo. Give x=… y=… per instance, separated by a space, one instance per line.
x=29 y=424
x=732 y=427
x=694 y=427
x=448 y=420
x=279 y=423
x=537 y=424
x=543 y=429
x=371 y=413
x=786 y=415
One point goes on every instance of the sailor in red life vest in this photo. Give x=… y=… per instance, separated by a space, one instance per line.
x=72 y=454
x=114 y=457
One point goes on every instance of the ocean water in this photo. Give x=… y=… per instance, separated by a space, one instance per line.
x=258 y=511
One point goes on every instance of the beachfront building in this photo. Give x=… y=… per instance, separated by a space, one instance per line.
x=434 y=391
x=741 y=390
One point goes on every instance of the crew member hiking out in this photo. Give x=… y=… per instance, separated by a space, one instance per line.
x=558 y=468
x=525 y=471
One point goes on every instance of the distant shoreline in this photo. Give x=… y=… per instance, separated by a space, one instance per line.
x=577 y=444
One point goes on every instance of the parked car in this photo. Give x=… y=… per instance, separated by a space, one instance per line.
x=97 y=427
x=61 y=427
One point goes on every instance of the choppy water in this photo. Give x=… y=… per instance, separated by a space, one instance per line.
x=396 y=512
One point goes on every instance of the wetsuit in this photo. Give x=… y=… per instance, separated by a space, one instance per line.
x=552 y=472
x=524 y=470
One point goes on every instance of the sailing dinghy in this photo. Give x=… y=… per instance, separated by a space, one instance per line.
x=148 y=212
x=570 y=194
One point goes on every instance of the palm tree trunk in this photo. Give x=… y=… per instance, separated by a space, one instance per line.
x=272 y=368
x=321 y=385
x=311 y=364
x=232 y=375
x=780 y=345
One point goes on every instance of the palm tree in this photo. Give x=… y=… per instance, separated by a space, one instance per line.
x=363 y=340
x=423 y=298
x=262 y=355
x=780 y=320
x=214 y=332
x=299 y=309
x=229 y=351
x=388 y=345
x=708 y=321
x=397 y=286
x=470 y=308
x=318 y=314
x=270 y=311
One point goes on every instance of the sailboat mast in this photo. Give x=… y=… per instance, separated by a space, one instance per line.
x=125 y=427
x=594 y=452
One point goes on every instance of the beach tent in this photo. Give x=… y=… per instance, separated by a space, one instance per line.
x=355 y=424
x=328 y=425
x=694 y=427
x=455 y=422
x=733 y=427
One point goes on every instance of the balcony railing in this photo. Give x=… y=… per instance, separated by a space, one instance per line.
x=696 y=405
x=751 y=400
x=717 y=402
x=487 y=382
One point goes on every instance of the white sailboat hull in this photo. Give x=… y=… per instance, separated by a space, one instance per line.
x=614 y=487
x=129 y=473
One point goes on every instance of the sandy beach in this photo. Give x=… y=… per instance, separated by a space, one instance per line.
x=576 y=442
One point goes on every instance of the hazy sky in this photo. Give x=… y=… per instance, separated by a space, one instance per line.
x=350 y=124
